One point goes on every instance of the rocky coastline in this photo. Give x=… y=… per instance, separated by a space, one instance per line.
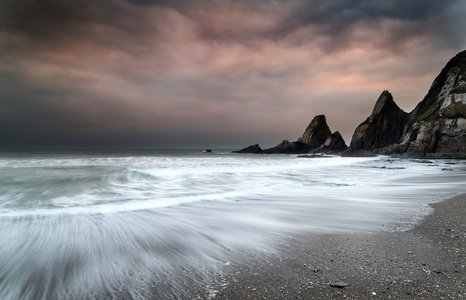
x=317 y=138
x=436 y=128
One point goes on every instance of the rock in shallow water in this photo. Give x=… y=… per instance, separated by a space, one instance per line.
x=250 y=149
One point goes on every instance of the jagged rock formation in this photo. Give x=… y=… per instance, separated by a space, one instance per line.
x=250 y=149
x=317 y=136
x=435 y=128
x=316 y=132
x=384 y=127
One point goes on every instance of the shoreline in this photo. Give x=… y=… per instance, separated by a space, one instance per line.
x=426 y=262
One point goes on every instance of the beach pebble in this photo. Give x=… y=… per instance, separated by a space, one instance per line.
x=339 y=284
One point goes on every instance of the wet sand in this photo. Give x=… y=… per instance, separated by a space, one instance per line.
x=427 y=262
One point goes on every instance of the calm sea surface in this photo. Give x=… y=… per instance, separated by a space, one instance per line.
x=139 y=224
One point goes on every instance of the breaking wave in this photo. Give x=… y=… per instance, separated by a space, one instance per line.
x=128 y=226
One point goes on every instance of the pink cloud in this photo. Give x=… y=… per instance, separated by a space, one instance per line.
x=249 y=71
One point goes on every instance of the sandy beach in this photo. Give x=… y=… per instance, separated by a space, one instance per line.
x=426 y=262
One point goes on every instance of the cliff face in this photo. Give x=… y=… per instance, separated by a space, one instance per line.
x=435 y=128
x=438 y=123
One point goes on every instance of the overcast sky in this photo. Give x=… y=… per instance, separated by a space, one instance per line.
x=211 y=74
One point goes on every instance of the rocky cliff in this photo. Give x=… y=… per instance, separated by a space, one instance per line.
x=438 y=123
x=435 y=128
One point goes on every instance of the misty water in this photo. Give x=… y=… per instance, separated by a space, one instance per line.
x=141 y=224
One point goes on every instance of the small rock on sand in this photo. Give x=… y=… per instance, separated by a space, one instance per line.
x=339 y=284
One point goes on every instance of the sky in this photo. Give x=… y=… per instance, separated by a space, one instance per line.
x=211 y=74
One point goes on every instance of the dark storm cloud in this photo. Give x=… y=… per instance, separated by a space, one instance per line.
x=234 y=21
x=339 y=20
x=153 y=73
x=54 y=24
x=43 y=18
x=349 y=11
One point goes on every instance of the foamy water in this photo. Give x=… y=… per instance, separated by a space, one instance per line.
x=152 y=224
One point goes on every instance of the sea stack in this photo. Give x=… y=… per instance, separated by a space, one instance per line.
x=382 y=128
x=315 y=135
x=316 y=132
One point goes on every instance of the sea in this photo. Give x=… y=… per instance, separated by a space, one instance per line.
x=156 y=224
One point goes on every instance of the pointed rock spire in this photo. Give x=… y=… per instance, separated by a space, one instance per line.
x=316 y=133
x=384 y=127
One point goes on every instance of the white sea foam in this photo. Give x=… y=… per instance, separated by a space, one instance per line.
x=96 y=226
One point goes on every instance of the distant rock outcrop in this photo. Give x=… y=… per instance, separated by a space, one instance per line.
x=314 y=137
x=317 y=136
x=435 y=128
x=287 y=147
x=250 y=149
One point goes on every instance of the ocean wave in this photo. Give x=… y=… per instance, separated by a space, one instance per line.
x=130 y=226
